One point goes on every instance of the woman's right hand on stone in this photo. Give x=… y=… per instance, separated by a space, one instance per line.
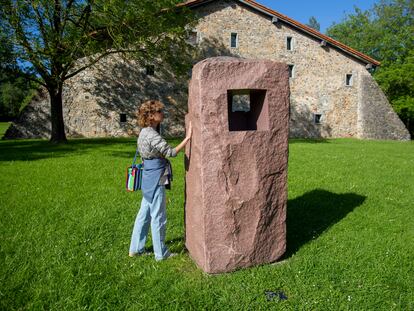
x=190 y=131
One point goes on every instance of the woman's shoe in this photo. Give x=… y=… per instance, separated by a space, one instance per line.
x=167 y=256
x=139 y=254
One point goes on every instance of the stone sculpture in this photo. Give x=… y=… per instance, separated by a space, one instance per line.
x=236 y=163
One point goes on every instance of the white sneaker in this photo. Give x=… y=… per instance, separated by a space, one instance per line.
x=145 y=253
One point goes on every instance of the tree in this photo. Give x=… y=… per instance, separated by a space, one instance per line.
x=313 y=23
x=60 y=38
x=386 y=32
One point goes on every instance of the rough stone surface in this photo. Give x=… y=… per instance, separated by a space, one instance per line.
x=378 y=119
x=236 y=180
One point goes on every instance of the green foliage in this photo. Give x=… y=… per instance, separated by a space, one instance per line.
x=66 y=221
x=11 y=96
x=14 y=87
x=32 y=92
x=15 y=93
x=386 y=33
x=313 y=23
x=3 y=128
x=397 y=81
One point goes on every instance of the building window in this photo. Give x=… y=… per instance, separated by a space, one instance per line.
x=349 y=80
x=122 y=117
x=192 y=37
x=150 y=70
x=317 y=118
x=247 y=110
x=289 y=43
x=291 y=71
x=234 y=40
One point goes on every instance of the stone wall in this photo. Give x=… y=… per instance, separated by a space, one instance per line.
x=95 y=99
x=377 y=118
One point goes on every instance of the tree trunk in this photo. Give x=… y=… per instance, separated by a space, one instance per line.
x=56 y=115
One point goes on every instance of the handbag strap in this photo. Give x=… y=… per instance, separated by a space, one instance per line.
x=135 y=157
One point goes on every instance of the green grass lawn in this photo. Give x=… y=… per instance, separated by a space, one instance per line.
x=66 y=221
x=3 y=128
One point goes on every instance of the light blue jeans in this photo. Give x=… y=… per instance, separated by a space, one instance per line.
x=154 y=213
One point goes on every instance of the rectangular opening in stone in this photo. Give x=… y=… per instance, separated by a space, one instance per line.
x=247 y=110
x=317 y=118
x=291 y=71
x=289 y=43
x=150 y=70
x=234 y=40
x=122 y=117
x=348 y=80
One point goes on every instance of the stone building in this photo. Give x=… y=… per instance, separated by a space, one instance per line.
x=332 y=91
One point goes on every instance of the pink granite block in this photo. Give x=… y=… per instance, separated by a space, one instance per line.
x=236 y=163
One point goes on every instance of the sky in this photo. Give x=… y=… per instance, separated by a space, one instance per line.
x=326 y=11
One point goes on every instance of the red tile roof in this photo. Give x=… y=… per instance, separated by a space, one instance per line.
x=295 y=24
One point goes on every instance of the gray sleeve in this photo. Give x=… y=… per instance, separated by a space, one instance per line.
x=159 y=143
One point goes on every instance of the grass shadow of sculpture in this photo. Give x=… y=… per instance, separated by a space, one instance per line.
x=311 y=214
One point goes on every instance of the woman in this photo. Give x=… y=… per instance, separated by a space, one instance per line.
x=156 y=176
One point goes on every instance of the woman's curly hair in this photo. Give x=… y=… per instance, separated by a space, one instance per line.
x=147 y=111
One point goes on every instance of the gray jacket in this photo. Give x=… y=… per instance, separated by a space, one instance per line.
x=151 y=145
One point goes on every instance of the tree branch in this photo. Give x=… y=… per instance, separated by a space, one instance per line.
x=67 y=10
x=41 y=26
x=24 y=42
x=32 y=78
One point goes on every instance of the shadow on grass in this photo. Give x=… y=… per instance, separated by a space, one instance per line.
x=176 y=245
x=308 y=140
x=36 y=149
x=309 y=215
x=31 y=150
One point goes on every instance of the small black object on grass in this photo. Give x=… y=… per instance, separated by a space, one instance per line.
x=277 y=295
